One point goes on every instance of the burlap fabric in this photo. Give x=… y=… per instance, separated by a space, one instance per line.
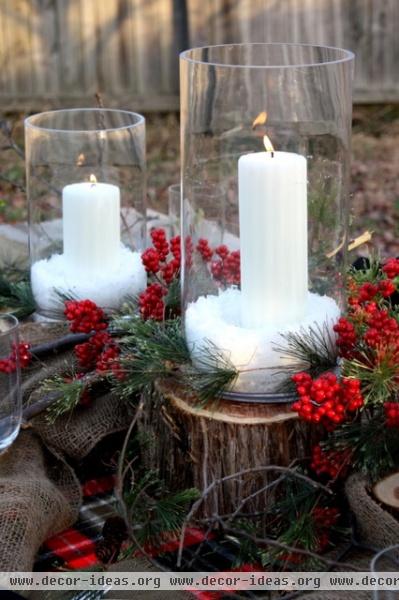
x=376 y=526
x=39 y=493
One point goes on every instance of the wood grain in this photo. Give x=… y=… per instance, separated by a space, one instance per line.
x=56 y=52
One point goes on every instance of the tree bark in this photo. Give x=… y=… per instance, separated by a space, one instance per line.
x=196 y=446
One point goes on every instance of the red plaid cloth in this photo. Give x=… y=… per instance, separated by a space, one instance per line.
x=74 y=548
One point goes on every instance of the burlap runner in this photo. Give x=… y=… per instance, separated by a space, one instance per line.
x=39 y=493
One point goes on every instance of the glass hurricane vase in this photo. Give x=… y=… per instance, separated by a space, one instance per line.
x=85 y=173
x=264 y=261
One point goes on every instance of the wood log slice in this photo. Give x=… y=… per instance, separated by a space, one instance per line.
x=194 y=445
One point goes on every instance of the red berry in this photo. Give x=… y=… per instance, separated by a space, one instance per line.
x=160 y=243
x=151 y=259
x=391 y=268
x=326 y=401
x=391 y=410
x=386 y=288
x=151 y=302
x=85 y=316
x=204 y=249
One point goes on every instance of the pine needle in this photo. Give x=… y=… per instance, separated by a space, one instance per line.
x=70 y=395
x=155 y=510
x=210 y=374
x=313 y=349
x=16 y=296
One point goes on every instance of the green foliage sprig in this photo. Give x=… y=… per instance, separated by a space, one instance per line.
x=16 y=293
x=154 y=510
x=154 y=351
x=68 y=393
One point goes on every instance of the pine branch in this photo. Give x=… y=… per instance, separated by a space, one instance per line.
x=155 y=511
x=163 y=340
x=313 y=350
x=16 y=296
x=374 y=446
x=69 y=395
x=379 y=378
x=151 y=351
x=210 y=375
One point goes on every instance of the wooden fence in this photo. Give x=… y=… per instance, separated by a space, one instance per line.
x=61 y=52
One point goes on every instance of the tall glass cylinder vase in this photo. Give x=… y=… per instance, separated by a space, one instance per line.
x=85 y=173
x=270 y=124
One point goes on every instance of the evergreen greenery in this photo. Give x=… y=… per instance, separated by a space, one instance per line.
x=15 y=292
x=154 y=510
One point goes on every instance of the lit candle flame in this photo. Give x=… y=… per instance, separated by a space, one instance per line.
x=260 y=119
x=268 y=145
x=93 y=179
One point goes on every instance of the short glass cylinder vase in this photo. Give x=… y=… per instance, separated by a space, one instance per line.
x=10 y=381
x=270 y=124
x=85 y=171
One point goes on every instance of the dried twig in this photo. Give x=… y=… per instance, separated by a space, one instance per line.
x=60 y=344
x=265 y=541
x=217 y=482
x=119 y=489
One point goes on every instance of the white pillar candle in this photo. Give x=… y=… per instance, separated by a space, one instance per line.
x=273 y=238
x=91 y=226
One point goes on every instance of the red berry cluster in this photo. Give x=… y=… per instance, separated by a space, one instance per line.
x=22 y=351
x=89 y=352
x=155 y=261
x=326 y=400
x=84 y=316
x=367 y=292
x=386 y=288
x=109 y=361
x=226 y=266
x=204 y=249
x=346 y=337
x=391 y=268
x=100 y=352
x=160 y=243
x=151 y=302
x=155 y=258
x=361 y=295
x=333 y=463
x=383 y=330
x=324 y=519
x=325 y=516
x=24 y=354
x=226 y=269
x=391 y=410
x=151 y=261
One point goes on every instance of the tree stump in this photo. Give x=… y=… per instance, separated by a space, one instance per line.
x=196 y=446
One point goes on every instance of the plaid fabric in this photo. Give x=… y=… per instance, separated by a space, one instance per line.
x=74 y=548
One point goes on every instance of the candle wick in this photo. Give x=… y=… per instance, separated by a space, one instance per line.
x=272 y=153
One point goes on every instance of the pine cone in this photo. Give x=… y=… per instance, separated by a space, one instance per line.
x=113 y=534
x=106 y=551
